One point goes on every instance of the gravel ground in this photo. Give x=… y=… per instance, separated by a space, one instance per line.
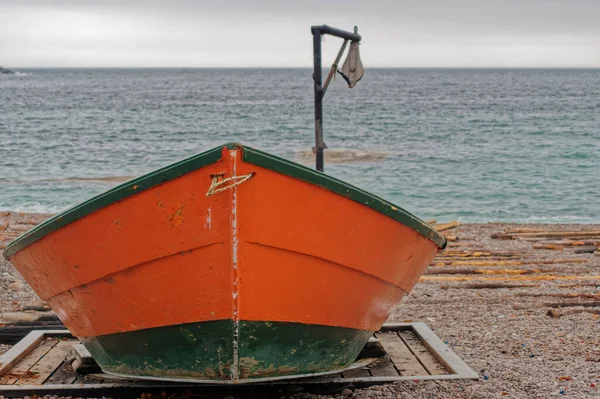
x=504 y=334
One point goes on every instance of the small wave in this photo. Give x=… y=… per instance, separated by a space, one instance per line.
x=342 y=156
x=16 y=73
x=34 y=207
x=80 y=179
x=102 y=179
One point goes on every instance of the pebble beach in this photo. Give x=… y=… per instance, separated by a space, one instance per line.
x=520 y=304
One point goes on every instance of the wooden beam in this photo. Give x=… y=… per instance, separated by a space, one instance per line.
x=404 y=360
x=447 y=226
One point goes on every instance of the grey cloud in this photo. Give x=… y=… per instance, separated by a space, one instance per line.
x=276 y=33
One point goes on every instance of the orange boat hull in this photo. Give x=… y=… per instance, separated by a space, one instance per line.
x=285 y=270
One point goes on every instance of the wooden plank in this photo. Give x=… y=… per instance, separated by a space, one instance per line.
x=425 y=357
x=362 y=372
x=383 y=368
x=443 y=353
x=42 y=370
x=22 y=368
x=20 y=350
x=63 y=375
x=406 y=363
x=88 y=380
x=447 y=226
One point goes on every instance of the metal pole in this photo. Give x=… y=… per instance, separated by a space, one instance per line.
x=317 y=31
x=319 y=145
x=328 y=30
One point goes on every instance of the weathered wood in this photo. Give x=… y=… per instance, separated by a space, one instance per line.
x=564 y=295
x=481 y=286
x=508 y=278
x=585 y=250
x=88 y=380
x=556 y=313
x=511 y=236
x=63 y=375
x=12 y=318
x=36 y=306
x=570 y=243
x=578 y=285
x=549 y=247
x=16 y=325
x=406 y=363
x=476 y=263
x=447 y=226
x=571 y=304
x=383 y=367
x=19 y=351
x=507 y=263
x=556 y=305
x=487 y=258
x=526 y=230
x=532 y=239
x=424 y=356
x=21 y=370
x=51 y=361
x=10 y=335
x=83 y=362
x=468 y=253
x=450 y=270
x=361 y=372
x=451 y=238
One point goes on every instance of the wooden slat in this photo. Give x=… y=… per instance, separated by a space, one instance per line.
x=383 y=368
x=428 y=361
x=40 y=371
x=87 y=380
x=20 y=350
x=402 y=357
x=63 y=375
x=362 y=372
x=22 y=368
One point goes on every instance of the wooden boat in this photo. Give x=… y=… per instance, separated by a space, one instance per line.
x=233 y=265
x=230 y=265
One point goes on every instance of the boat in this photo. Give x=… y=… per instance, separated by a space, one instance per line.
x=230 y=266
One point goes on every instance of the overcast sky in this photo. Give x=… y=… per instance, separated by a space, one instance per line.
x=276 y=33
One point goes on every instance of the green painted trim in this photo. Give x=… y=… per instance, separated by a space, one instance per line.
x=272 y=349
x=308 y=175
x=115 y=194
x=204 y=350
x=195 y=350
x=188 y=165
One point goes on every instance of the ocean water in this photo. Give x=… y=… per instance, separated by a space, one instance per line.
x=472 y=145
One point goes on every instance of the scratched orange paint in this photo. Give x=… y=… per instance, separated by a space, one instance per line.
x=166 y=256
x=158 y=222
